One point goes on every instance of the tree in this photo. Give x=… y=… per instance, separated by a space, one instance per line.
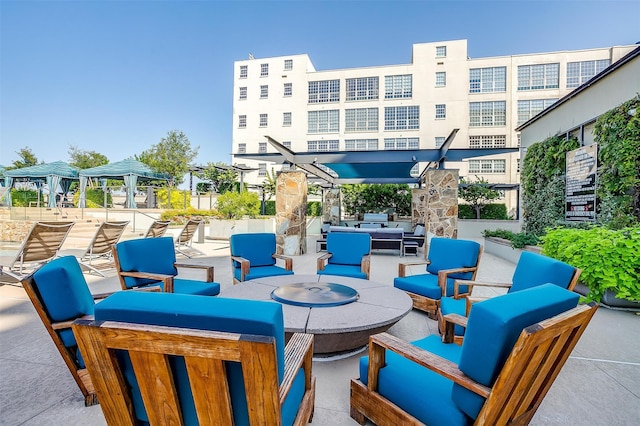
x=376 y=198
x=478 y=194
x=28 y=159
x=86 y=159
x=172 y=155
x=222 y=177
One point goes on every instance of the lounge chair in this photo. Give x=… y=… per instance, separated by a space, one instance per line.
x=41 y=244
x=184 y=243
x=159 y=358
x=254 y=256
x=157 y=229
x=106 y=236
x=348 y=255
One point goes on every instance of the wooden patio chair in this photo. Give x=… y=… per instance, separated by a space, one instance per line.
x=160 y=358
x=106 y=236
x=447 y=259
x=348 y=255
x=531 y=270
x=157 y=229
x=254 y=256
x=184 y=243
x=515 y=346
x=41 y=244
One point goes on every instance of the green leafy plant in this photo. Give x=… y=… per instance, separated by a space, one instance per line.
x=232 y=205
x=518 y=240
x=489 y=212
x=22 y=197
x=376 y=198
x=94 y=198
x=179 y=198
x=609 y=259
x=181 y=216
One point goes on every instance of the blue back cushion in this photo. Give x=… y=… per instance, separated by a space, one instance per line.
x=202 y=313
x=348 y=248
x=493 y=328
x=257 y=248
x=155 y=255
x=63 y=289
x=534 y=269
x=447 y=253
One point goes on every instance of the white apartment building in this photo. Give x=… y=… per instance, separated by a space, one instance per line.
x=409 y=106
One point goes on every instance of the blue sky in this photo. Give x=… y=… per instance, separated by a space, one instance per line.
x=116 y=76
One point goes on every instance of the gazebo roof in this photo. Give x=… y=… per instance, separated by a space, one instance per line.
x=122 y=168
x=40 y=171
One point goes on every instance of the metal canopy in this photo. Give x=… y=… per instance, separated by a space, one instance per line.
x=382 y=166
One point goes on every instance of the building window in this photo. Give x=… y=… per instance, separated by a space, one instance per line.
x=288 y=89
x=580 y=72
x=243 y=71
x=440 y=141
x=441 y=79
x=287 y=144
x=488 y=141
x=288 y=64
x=361 y=144
x=262 y=147
x=538 y=77
x=264 y=91
x=286 y=119
x=323 y=121
x=487 y=166
x=324 y=91
x=243 y=93
x=264 y=70
x=487 y=80
x=527 y=109
x=361 y=119
x=401 y=143
x=322 y=146
x=415 y=170
x=441 y=111
x=262 y=169
x=402 y=118
x=242 y=121
x=490 y=113
x=362 y=89
x=263 y=120
x=397 y=86
x=242 y=148
x=285 y=167
x=441 y=51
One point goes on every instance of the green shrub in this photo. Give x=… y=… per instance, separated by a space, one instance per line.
x=269 y=208
x=94 y=198
x=609 y=259
x=181 y=216
x=489 y=212
x=232 y=205
x=518 y=240
x=22 y=197
x=179 y=198
x=314 y=208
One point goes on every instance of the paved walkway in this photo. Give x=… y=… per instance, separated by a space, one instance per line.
x=599 y=385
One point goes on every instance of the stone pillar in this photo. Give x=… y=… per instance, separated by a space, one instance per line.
x=442 y=203
x=331 y=206
x=291 y=213
x=419 y=198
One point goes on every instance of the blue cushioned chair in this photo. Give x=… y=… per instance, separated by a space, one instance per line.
x=191 y=360
x=531 y=270
x=348 y=254
x=60 y=295
x=254 y=256
x=490 y=379
x=147 y=262
x=448 y=259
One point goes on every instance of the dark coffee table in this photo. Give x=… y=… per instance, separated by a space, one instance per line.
x=337 y=328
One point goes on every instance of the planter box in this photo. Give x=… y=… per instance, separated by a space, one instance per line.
x=223 y=229
x=610 y=300
x=502 y=248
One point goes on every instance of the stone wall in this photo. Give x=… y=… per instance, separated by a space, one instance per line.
x=419 y=198
x=441 y=212
x=291 y=213
x=331 y=206
x=14 y=230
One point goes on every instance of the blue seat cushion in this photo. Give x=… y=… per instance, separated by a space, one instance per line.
x=425 y=285
x=417 y=390
x=152 y=255
x=343 y=270
x=203 y=313
x=448 y=253
x=534 y=269
x=493 y=328
x=449 y=305
x=257 y=248
x=348 y=248
x=261 y=272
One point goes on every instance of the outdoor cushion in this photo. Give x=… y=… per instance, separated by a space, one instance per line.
x=159 y=258
x=449 y=253
x=204 y=313
x=343 y=270
x=425 y=285
x=257 y=248
x=348 y=248
x=262 y=271
x=534 y=269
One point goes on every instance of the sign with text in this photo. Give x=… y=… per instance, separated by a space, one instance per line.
x=582 y=172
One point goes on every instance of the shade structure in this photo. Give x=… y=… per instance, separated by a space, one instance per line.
x=130 y=171
x=54 y=174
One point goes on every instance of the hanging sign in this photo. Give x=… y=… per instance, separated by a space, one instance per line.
x=582 y=173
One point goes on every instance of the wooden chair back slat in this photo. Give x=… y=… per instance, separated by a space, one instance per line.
x=205 y=391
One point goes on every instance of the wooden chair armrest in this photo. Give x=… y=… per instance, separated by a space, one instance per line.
x=167 y=280
x=483 y=284
x=151 y=288
x=288 y=261
x=443 y=274
x=322 y=260
x=450 y=321
x=67 y=324
x=402 y=267
x=209 y=270
x=365 y=264
x=244 y=266
x=379 y=342
x=298 y=353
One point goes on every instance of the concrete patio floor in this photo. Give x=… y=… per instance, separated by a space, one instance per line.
x=599 y=384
